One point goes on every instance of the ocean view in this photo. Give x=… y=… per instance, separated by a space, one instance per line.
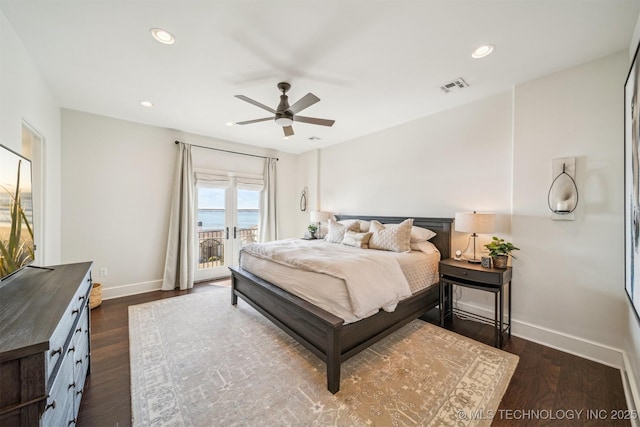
x=213 y=219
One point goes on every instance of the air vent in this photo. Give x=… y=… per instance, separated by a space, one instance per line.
x=458 y=83
x=314 y=138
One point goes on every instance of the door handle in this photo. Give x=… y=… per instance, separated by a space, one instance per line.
x=235 y=232
x=227 y=233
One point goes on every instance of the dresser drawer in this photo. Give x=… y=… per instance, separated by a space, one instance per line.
x=62 y=331
x=59 y=409
x=488 y=277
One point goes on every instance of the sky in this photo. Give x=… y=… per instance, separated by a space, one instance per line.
x=213 y=198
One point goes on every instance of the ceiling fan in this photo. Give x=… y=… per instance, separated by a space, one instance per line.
x=285 y=115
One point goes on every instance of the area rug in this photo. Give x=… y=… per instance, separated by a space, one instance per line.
x=196 y=360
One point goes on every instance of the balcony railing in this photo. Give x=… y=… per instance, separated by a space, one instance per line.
x=211 y=245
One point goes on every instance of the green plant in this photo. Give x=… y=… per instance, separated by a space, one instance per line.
x=500 y=247
x=312 y=228
x=15 y=251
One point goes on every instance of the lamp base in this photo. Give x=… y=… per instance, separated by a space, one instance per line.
x=472 y=253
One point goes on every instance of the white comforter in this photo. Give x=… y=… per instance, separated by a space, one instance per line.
x=373 y=279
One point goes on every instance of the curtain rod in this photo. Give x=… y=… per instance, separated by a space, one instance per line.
x=232 y=152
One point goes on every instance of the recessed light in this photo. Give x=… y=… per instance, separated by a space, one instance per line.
x=147 y=104
x=482 y=51
x=163 y=36
x=285 y=137
x=229 y=124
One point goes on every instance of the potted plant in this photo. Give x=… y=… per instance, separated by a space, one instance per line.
x=499 y=251
x=312 y=230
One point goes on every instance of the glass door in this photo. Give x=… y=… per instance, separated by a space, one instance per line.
x=247 y=218
x=228 y=217
x=212 y=232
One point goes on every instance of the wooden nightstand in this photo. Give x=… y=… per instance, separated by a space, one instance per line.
x=474 y=276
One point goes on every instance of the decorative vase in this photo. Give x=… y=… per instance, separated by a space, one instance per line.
x=500 y=261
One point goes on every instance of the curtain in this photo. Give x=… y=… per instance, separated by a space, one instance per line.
x=180 y=260
x=268 y=226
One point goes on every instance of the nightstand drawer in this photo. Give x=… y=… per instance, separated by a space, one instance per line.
x=488 y=277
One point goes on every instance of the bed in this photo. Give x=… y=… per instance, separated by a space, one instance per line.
x=325 y=334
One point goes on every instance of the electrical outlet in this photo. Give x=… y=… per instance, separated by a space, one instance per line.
x=104 y=272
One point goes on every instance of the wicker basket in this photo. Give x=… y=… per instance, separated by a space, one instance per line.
x=95 y=298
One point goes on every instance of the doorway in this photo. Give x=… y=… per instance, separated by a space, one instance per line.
x=227 y=218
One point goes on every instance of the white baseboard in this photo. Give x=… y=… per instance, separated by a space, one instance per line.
x=630 y=388
x=577 y=346
x=132 y=289
x=604 y=354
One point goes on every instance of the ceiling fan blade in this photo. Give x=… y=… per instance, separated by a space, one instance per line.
x=256 y=103
x=314 y=121
x=288 y=130
x=247 y=122
x=305 y=102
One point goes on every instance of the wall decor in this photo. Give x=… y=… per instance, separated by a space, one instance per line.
x=631 y=184
x=563 y=191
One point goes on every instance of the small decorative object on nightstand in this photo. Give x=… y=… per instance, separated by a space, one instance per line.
x=474 y=276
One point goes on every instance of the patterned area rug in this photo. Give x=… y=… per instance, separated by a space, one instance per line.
x=198 y=361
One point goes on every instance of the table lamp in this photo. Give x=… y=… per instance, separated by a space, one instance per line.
x=318 y=217
x=474 y=223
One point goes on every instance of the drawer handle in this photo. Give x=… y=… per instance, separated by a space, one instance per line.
x=72 y=349
x=75 y=311
x=54 y=352
x=78 y=361
x=73 y=421
x=78 y=392
x=51 y=405
x=81 y=297
x=72 y=385
x=79 y=330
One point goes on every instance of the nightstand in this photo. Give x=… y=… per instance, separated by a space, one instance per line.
x=474 y=276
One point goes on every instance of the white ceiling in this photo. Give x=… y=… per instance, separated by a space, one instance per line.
x=373 y=64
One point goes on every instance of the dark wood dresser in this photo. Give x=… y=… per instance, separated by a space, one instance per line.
x=44 y=344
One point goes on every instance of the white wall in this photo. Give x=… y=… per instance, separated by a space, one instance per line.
x=25 y=97
x=117 y=180
x=456 y=160
x=569 y=277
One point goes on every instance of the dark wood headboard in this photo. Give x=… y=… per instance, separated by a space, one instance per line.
x=440 y=226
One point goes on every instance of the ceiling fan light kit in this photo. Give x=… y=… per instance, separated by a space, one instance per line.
x=285 y=115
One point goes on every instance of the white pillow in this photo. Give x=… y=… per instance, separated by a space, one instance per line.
x=337 y=230
x=364 y=225
x=426 y=247
x=418 y=234
x=391 y=237
x=358 y=240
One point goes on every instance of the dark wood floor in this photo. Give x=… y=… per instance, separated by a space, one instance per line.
x=549 y=387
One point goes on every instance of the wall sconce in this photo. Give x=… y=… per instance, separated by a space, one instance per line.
x=563 y=193
x=474 y=222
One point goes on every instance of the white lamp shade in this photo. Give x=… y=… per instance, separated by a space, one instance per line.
x=319 y=216
x=475 y=222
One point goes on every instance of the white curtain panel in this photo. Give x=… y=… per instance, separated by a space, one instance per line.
x=268 y=226
x=180 y=260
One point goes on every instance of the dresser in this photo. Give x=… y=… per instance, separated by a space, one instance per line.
x=44 y=344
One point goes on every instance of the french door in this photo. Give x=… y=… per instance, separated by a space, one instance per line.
x=227 y=218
